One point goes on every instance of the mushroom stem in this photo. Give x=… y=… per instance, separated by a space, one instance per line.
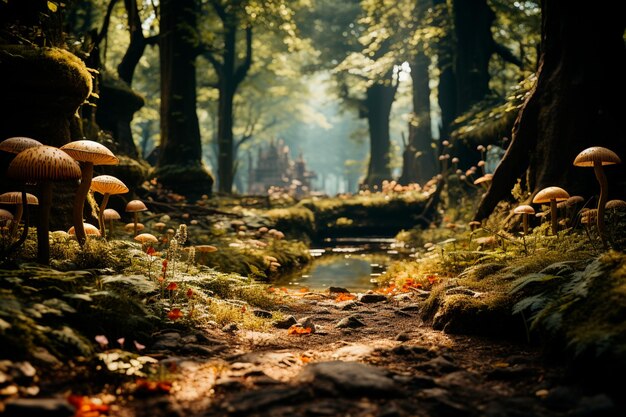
x=79 y=201
x=554 y=217
x=19 y=210
x=24 y=235
x=43 y=228
x=525 y=221
x=103 y=205
x=604 y=186
x=135 y=221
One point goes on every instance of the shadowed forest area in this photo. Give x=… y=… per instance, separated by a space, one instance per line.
x=370 y=208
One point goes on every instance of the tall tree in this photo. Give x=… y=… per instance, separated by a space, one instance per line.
x=180 y=159
x=572 y=106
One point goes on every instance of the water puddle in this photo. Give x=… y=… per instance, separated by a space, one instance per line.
x=356 y=264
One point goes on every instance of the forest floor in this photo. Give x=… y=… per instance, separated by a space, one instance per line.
x=372 y=357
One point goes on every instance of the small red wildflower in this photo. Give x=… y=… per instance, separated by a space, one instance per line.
x=150 y=251
x=190 y=293
x=174 y=314
x=172 y=286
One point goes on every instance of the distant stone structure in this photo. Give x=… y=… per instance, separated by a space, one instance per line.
x=275 y=168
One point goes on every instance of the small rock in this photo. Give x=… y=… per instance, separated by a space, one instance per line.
x=195 y=349
x=39 y=407
x=167 y=341
x=230 y=328
x=351 y=322
x=307 y=322
x=229 y=383
x=338 y=290
x=286 y=323
x=441 y=403
x=403 y=297
x=411 y=307
x=347 y=305
x=262 y=313
x=43 y=355
x=372 y=298
x=439 y=365
x=190 y=338
x=249 y=401
x=403 y=337
x=351 y=378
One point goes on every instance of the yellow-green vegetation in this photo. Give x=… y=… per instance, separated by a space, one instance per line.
x=295 y=220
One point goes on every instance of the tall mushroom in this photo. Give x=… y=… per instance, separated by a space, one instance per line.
x=524 y=210
x=90 y=230
x=106 y=185
x=108 y=215
x=135 y=206
x=597 y=157
x=88 y=153
x=18 y=144
x=43 y=164
x=15 y=198
x=552 y=195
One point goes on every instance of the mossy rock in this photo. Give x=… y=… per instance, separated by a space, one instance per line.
x=42 y=80
x=192 y=180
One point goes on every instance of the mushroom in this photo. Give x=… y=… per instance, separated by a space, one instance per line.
x=146 y=239
x=474 y=225
x=485 y=179
x=552 y=195
x=108 y=215
x=5 y=216
x=43 y=164
x=159 y=226
x=88 y=153
x=130 y=227
x=615 y=205
x=524 y=210
x=597 y=157
x=135 y=206
x=18 y=144
x=90 y=230
x=15 y=198
x=106 y=185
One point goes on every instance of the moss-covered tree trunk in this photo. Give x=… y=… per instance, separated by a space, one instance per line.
x=180 y=165
x=419 y=159
x=577 y=103
x=377 y=106
x=446 y=90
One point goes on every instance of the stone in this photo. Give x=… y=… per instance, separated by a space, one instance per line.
x=347 y=305
x=167 y=341
x=403 y=297
x=250 y=401
x=403 y=337
x=411 y=307
x=338 y=290
x=307 y=322
x=350 y=378
x=440 y=403
x=285 y=323
x=372 y=298
x=39 y=407
x=264 y=314
x=195 y=349
x=351 y=322
x=230 y=328
x=439 y=365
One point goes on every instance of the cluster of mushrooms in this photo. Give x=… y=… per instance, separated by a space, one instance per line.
x=39 y=164
x=596 y=157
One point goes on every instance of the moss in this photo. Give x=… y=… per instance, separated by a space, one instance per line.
x=192 y=179
x=296 y=221
x=43 y=79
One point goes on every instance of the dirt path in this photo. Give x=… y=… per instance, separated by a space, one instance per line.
x=385 y=362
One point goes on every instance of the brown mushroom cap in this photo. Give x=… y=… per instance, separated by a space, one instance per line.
x=110 y=214
x=5 y=215
x=550 y=193
x=573 y=200
x=43 y=163
x=524 y=209
x=90 y=230
x=135 y=205
x=15 y=197
x=131 y=227
x=159 y=226
x=206 y=248
x=146 y=238
x=616 y=204
x=596 y=154
x=90 y=151
x=484 y=178
x=18 y=144
x=107 y=184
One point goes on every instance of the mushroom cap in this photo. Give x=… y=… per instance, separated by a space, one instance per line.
x=524 y=209
x=5 y=215
x=18 y=144
x=551 y=193
x=206 y=248
x=596 y=154
x=131 y=226
x=108 y=184
x=15 y=197
x=110 y=214
x=484 y=178
x=135 y=205
x=146 y=238
x=159 y=226
x=90 y=230
x=90 y=151
x=43 y=163
x=561 y=204
x=573 y=200
x=589 y=216
x=615 y=204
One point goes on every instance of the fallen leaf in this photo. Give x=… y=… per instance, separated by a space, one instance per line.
x=156 y=387
x=298 y=330
x=345 y=296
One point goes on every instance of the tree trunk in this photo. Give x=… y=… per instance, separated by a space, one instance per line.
x=180 y=159
x=419 y=164
x=227 y=86
x=446 y=91
x=575 y=104
x=378 y=102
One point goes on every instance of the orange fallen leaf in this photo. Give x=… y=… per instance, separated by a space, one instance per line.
x=86 y=407
x=345 y=296
x=304 y=289
x=297 y=330
x=147 y=386
x=305 y=359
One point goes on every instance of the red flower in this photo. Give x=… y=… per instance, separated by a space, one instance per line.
x=190 y=293
x=174 y=314
x=164 y=268
x=172 y=286
x=150 y=250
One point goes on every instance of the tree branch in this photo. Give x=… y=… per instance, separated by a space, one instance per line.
x=219 y=67
x=105 y=24
x=242 y=70
x=506 y=54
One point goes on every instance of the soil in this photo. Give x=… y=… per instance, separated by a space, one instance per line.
x=389 y=363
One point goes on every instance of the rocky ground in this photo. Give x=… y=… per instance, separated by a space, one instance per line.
x=366 y=357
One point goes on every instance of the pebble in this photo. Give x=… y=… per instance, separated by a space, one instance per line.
x=307 y=322
x=230 y=328
x=350 y=378
x=286 y=323
x=338 y=290
x=372 y=298
x=167 y=341
x=403 y=337
x=351 y=322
